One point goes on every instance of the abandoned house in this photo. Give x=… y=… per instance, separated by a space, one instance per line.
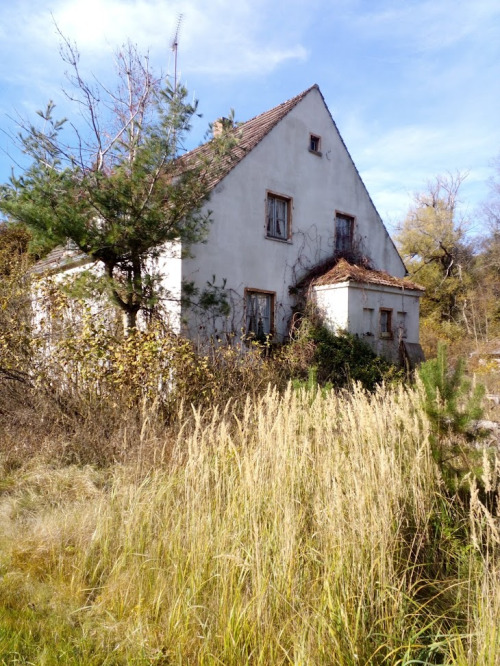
x=291 y=220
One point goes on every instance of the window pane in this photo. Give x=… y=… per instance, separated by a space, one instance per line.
x=385 y=322
x=259 y=314
x=277 y=217
x=343 y=233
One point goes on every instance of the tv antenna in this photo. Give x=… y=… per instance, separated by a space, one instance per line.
x=175 y=45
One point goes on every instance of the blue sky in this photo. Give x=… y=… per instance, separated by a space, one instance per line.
x=413 y=85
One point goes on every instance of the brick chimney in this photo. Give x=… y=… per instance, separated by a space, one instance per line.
x=220 y=125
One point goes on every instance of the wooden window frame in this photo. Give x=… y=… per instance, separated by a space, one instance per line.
x=389 y=333
x=250 y=335
x=344 y=216
x=289 y=205
x=315 y=144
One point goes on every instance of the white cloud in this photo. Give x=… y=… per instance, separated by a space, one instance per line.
x=412 y=84
x=220 y=37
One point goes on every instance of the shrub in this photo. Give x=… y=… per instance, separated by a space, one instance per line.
x=338 y=359
x=451 y=401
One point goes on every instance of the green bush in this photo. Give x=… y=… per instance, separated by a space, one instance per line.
x=451 y=401
x=338 y=359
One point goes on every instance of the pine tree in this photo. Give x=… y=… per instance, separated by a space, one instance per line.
x=117 y=191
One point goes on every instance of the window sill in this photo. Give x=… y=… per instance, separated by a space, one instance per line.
x=318 y=153
x=386 y=336
x=280 y=240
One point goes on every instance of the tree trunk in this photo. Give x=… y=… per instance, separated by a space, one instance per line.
x=130 y=321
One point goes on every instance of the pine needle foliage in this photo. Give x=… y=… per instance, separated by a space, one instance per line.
x=117 y=191
x=451 y=400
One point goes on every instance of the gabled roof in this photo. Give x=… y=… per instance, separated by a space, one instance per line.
x=247 y=135
x=343 y=271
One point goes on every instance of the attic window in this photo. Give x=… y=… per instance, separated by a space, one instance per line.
x=344 y=229
x=315 y=144
x=278 y=222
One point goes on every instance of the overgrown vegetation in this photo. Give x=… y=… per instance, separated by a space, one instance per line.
x=337 y=359
x=452 y=402
x=165 y=505
x=458 y=269
x=301 y=529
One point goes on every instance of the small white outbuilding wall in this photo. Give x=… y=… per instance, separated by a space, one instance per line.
x=382 y=316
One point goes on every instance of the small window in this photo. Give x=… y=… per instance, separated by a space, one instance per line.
x=368 y=321
x=315 y=144
x=402 y=333
x=259 y=314
x=278 y=217
x=385 y=323
x=344 y=228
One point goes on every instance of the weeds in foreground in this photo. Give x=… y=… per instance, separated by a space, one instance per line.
x=304 y=529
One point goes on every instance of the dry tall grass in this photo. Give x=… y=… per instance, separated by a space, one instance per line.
x=308 y=528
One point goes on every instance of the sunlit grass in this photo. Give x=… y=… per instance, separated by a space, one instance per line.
x=310 y=529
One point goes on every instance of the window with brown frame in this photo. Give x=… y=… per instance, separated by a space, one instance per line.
x=344 y=230
x=315 y=144
x=278 y=224
x=259 y=313
x=385 y=323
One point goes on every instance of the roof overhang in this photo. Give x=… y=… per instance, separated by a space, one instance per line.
x=369 y=286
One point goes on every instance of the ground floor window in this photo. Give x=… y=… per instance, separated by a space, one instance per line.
x=259 y=306
x=344 y=232
x=385 y=323
x=402 y=332
x=368 y=321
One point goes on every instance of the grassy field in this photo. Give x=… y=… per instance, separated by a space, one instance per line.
x=308 y=528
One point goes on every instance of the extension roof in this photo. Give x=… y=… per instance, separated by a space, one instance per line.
x=343 y=271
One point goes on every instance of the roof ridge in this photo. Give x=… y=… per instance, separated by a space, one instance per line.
x=292 y=102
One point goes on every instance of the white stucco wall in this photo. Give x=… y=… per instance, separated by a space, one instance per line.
x=356 y=307
x=168 y=266
x=333 y=305
x=237 y=249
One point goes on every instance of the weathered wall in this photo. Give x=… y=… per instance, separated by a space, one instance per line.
x=356 y=307
x=237 y=249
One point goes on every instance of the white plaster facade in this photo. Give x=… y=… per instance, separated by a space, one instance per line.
x=318 y=185
x=291 y=157
x=382 y=316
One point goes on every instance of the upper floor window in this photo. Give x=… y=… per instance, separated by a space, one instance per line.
x=315 y=144
x=278 y=217
x=344 y=229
